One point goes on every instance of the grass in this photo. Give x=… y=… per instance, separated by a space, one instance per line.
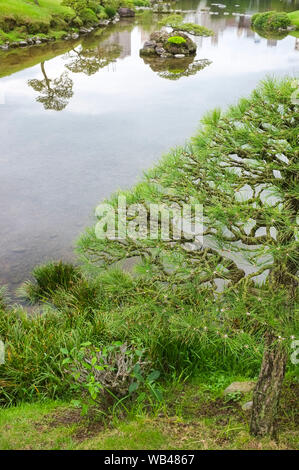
x=190 y=418
x=294 y=17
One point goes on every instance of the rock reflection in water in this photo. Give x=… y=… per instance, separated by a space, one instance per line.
x=174 y=69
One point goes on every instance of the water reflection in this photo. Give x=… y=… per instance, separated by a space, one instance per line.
x=53 y=94
x=117 y=116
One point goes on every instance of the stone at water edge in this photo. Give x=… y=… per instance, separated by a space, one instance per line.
x=126 y=12
x=243 y=387
x=158 y=45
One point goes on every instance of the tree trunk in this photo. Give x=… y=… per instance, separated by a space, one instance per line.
x=267 y=391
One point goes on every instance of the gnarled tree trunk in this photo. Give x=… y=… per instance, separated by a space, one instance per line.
x=267 y=391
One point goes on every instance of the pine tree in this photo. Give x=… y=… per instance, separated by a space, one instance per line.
x=243 y=168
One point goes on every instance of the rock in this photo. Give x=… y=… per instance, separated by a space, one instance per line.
x=160 y=50
x=126 y=12
x=149 y=44
x=38 y=41
x=243 y=387
x=84 y=31
x=148 y=51
x=159 y=45
x=4 y=47
x=75 y=36
x=104 y=23
x=247 y=406
x=23 y=43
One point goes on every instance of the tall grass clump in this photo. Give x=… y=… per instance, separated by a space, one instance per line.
x=48 y=279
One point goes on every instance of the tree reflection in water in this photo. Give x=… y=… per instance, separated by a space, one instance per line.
x=54 y=94
x=91 y=60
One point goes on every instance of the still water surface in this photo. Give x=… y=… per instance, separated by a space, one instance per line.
x=81 y=120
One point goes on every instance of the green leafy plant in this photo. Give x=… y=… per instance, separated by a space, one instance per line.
x=116 y=371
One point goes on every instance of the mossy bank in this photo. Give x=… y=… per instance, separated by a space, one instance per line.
x=25 y=23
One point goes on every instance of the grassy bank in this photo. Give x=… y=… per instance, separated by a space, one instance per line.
x=193 y=416
x=20 y=19
x=52 y=19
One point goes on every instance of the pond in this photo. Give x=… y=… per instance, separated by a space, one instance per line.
x=79 y=120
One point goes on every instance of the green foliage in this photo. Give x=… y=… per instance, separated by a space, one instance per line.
x=88 y=16
x=176 y=40
x=175 y=21
x=49 y=278
x=141 y=3
x=110 y=11
x=270 y=21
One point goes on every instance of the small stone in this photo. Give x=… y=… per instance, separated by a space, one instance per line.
x=75 y=36
x=179 y=56
x=149 y=44
x=23 y=44
x=247 y=406
x=243 y=387
x=160 y=50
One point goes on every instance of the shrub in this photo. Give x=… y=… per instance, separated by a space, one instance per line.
x=110 y=11
x=176 y=40
x=141 y=3
x=270 y=21
x=116 y=370
x=88 y=16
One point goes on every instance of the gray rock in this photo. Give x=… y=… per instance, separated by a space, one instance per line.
x=243 y=387
x=4 y=47
x=179 y=56
x=160 y=50
x=75 y=36
x=38 y=41
x=149 y=44
x=247 y=406
x=23 y=43
x=104 y=23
